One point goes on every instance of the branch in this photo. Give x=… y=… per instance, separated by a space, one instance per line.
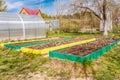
x=100 y=8
x=89 y=10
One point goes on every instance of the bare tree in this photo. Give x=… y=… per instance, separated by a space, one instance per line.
x=2 y=6
x=102 y=9
x=116 y=14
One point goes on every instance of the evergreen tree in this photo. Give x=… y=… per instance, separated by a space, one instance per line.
x=3 y=6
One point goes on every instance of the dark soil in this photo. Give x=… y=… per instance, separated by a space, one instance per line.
x=38 y=47
x=35 y=42
x=85 y=49
x=25 y=43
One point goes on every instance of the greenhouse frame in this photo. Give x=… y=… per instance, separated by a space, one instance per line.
x=16 y=26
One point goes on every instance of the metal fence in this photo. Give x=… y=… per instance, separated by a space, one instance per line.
x=53 y=23
x=16 y=26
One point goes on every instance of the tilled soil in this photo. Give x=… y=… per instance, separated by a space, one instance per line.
x=38 y=47
x=35 y=42
x=85 y=49
x=25 y=43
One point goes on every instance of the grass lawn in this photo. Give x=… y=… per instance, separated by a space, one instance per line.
x=15 y=65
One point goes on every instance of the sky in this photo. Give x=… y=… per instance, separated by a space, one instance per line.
x=46 y=6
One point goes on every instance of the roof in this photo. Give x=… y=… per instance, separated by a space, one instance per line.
x=31 y=11
x=5 y=16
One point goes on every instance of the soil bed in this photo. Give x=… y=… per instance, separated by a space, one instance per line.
x=38 y=47
x=42 y=42
x=25 y=43
x=87 y=48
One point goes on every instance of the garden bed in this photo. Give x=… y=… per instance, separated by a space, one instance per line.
x=33 y=43
x=43 y=49
x=88 y=51
x=44 y=41
x=53 y=44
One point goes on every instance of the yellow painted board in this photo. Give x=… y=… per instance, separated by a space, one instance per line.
x=28 y=50
x=1 y=45
x=66 y=45
x=44 y=51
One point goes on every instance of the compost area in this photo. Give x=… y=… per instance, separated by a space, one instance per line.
x=87 y=48
x=38 y=47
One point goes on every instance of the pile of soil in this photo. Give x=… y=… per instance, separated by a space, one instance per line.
x=85 y=49
x=38 y=47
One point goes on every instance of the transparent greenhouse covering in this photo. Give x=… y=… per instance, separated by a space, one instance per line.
x=16 y=26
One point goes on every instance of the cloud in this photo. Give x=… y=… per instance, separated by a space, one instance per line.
x=46 y=6
x=14 y=5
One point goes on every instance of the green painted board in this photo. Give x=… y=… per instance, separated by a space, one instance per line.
x=74 y=58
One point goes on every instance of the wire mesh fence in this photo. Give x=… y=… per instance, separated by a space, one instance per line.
x=53 y=23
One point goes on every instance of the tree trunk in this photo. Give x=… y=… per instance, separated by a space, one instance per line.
x=101 y=24
x=106 y=25
x=105 y=17
x=109 y=19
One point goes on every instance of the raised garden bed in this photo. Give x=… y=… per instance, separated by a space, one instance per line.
x=26 y=41
x=88 y=51
x=44 y=41
x=43 y=49
x=34 y=43
x=53 y=44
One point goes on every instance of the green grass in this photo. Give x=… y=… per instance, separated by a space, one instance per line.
x=75 y=34
x=15 y=64
x=95 y=35
x=109 y=65
x=5 y=41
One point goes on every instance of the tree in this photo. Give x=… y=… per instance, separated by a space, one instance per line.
x=102 y=9
x=116 y=15
x=3 y=6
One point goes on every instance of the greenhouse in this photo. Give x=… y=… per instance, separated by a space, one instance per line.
x=15 y=26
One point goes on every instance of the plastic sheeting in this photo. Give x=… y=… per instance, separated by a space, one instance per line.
x=74 y=58
x=16 y=26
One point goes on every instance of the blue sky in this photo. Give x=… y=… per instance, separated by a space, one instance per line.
x=46 y=6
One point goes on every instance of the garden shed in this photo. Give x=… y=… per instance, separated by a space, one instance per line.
x=16 y=26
